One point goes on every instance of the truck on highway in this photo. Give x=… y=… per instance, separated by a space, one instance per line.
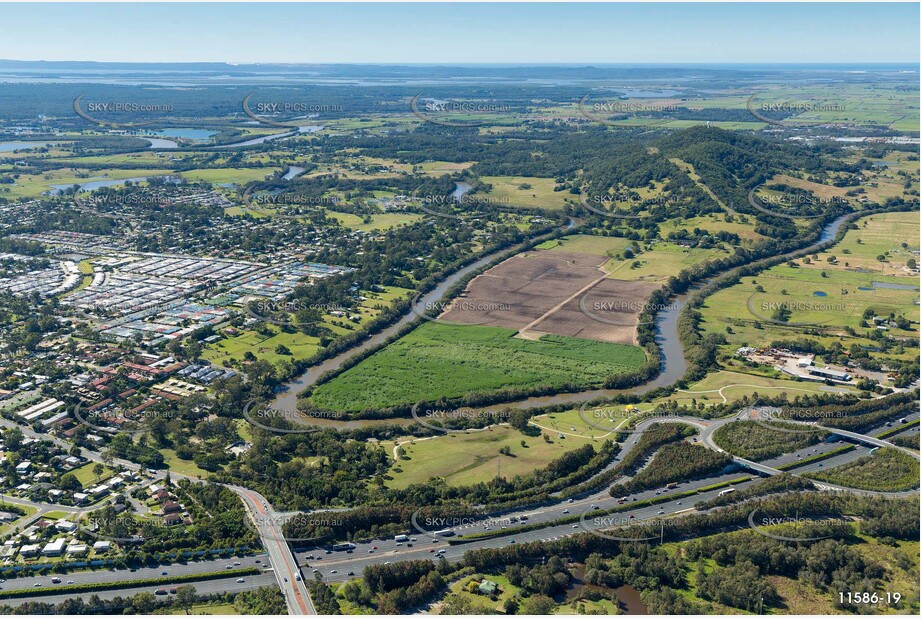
x=726 y=491
x=444 y=533
x=343 y=547
x=401 y=538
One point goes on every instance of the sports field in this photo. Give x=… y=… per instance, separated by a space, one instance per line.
x=446 y=360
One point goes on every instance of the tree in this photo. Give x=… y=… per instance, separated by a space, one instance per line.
x=69 y=482
x=98 y=469
x=144 y=602
x=538 y=605
x=185 y=597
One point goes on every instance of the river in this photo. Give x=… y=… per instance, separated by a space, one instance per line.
x=292 y=172
x=266 y=138
x=673 y=366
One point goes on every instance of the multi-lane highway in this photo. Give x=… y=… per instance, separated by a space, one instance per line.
x=341 y=565
x=209 y=587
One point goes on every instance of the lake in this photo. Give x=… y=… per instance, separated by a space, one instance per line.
x=11 y=146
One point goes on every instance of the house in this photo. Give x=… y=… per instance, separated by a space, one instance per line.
x=54 y=548
x=101 y=547
x=65 y=526
x=171 y=507
x=172 y=519
x=81 y=498
x=28 y=551
x=77 y=550
x=487 y=587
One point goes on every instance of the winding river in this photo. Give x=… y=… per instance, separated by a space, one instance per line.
x=673 y=367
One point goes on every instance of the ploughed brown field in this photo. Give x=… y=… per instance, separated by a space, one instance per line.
x=557 y=293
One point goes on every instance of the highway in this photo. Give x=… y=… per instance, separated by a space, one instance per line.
x=287 y=574
x=172 y=571
x=336 y=566
x=426 y=546
x=213 y=586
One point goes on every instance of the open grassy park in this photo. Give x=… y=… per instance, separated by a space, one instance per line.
x=472 y=457
x=445 y=360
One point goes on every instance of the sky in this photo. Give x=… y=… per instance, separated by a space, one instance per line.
x=463 y=33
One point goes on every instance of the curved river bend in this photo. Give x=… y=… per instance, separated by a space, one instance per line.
x=673 y=367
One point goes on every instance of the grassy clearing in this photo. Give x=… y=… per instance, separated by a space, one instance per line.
x=657 y=264
x=508 y=190
x=381 y=222
x=732 y=386
x=33 y=185
x=225 y=175
x=88 y=478
x=467 y=458
x=446 y=360
x=713 y=222
x=264 y=348
x=182 y=466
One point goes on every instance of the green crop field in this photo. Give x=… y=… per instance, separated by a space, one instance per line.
x=446 y=360
x=467 y=458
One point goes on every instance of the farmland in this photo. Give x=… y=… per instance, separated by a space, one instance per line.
x=445 y=360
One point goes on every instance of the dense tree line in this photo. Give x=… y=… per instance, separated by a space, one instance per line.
x=752 y=440
x=680 y=461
